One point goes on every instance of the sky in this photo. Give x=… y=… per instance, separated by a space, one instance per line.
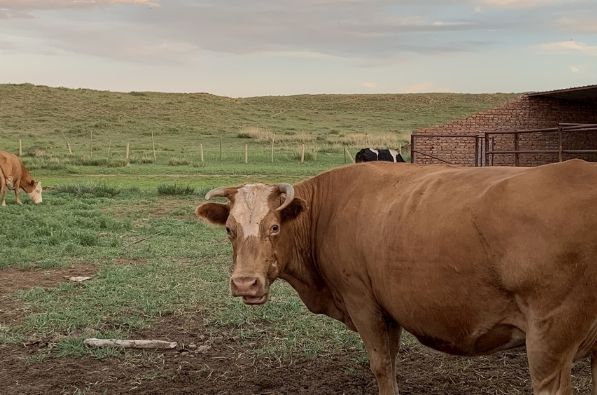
x=245 y=48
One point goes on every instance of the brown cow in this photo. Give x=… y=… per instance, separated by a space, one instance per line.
x=14 y=175
x=469 y=260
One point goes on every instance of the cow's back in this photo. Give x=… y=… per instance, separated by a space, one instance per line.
x=11 y=165
x=438 y=241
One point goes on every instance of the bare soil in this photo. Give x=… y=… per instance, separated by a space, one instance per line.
x=216 y=361
x=13 y=280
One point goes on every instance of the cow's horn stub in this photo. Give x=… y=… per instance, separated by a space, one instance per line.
x=217 y=192
x=289 y=191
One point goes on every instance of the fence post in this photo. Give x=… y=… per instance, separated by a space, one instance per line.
x=246 y=153
x=201 y=151
x=127 y=153
x=70 y=152
x=20 y=147
x=303 y=153
x=155 y=157
x=91 y=146
x=560 y=143
x=516 y=156
x=347 y=153
x=220 y=148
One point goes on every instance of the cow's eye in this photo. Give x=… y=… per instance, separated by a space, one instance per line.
x=229 y=231
x=275 y=229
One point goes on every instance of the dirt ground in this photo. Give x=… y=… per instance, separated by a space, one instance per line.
x=216 y=362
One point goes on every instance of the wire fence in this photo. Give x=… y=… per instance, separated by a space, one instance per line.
x=115 y=154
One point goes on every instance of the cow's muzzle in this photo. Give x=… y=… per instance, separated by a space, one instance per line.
x=252 y=288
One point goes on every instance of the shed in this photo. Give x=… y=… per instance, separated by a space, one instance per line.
x=534 y=129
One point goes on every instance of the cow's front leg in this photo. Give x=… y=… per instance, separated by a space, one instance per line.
x=381 y=337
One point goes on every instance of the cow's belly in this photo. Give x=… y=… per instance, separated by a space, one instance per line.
x=500 y=337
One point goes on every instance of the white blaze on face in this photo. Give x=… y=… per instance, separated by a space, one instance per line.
x=35 y=194
x=250 y=207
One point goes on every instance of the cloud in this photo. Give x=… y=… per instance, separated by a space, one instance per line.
x=580 y=24
x=365 y=32
x=61 y=4
x=570 y=46
x=519 y=3
x=418 y=88
x=574 y=69
x=369 y=84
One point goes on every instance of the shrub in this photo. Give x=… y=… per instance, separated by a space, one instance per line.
x=178 y=162
x=103 y=162
x=96 y=190
x=175 y=189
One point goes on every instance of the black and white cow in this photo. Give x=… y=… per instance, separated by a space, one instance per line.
x=373 y=154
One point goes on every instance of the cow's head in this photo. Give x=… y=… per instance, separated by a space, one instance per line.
x=255 y=219
x=35 y=193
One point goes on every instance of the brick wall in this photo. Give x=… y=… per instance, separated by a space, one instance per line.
x=526 y=112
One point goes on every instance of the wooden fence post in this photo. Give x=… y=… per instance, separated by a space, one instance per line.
x=155 y=157
x=201 y=151
x=127 y=153
x=70 y=152
x=20 y=147
x=560 y=143
x=347 y=153
x=303 y=153
x=246 y=153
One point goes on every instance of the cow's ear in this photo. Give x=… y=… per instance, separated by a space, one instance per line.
x=293 y=210
x=216 y=213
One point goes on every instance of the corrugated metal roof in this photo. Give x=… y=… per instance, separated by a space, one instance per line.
x=588 y=92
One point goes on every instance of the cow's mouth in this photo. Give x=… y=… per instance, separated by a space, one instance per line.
x=255 y=300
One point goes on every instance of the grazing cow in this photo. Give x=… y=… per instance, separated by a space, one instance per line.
x=373 y=154
x=469 y=260
x=14 y=176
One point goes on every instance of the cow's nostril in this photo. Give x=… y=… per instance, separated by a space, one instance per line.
x=245 y=284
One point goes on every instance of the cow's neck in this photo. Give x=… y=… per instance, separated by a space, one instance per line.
x=26 y=180
x=301 y=270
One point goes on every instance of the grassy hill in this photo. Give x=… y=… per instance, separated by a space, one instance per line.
x=44 y=117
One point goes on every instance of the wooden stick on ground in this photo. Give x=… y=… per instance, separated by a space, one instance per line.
x=93 y=342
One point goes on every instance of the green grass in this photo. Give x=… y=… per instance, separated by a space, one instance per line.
x=134 y=221
x=103 y=123
x=175 y=189
x=184 y=268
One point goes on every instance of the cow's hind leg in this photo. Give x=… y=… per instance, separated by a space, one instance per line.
x=381 y=336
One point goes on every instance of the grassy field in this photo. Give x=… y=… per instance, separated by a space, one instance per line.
x=132 y=226
x=98 y=124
